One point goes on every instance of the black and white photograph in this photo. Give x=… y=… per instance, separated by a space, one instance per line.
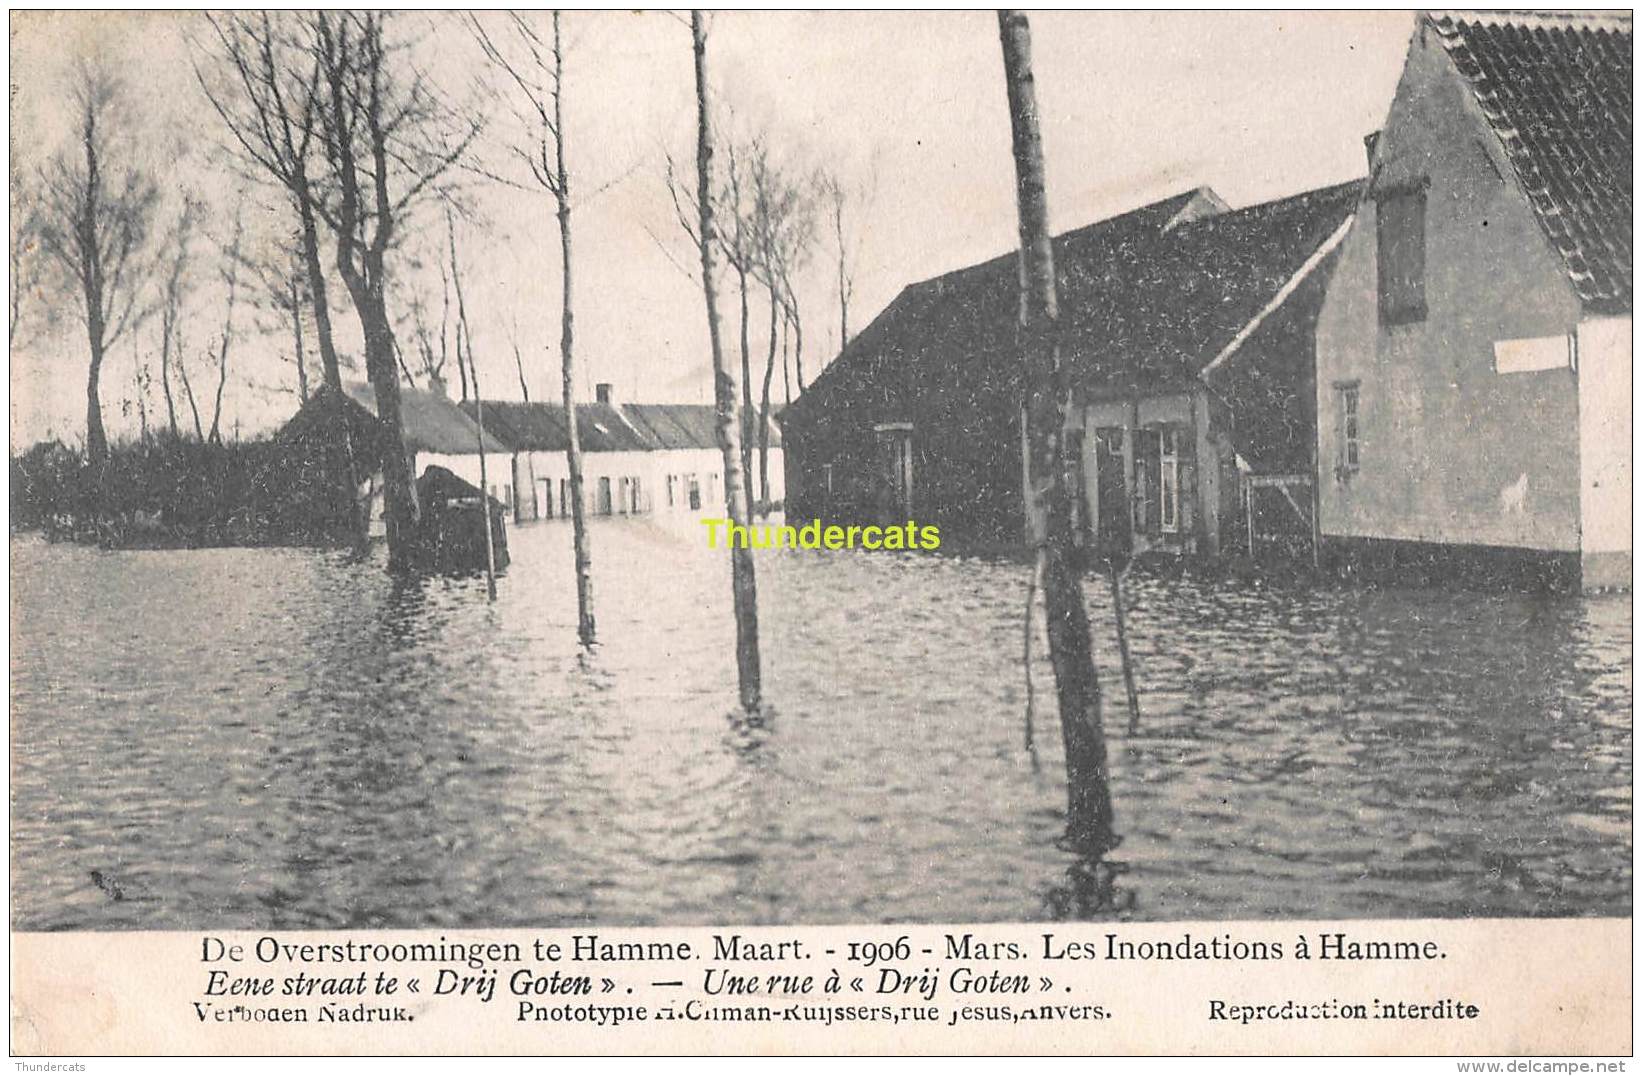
x=641 y=469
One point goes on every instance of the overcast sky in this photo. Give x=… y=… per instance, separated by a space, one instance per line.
x=1136 y=107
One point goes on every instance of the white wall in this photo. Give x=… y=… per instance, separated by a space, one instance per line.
x=652 y=470
x=1604 y=351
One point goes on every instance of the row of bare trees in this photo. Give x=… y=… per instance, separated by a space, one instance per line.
x=331 y=111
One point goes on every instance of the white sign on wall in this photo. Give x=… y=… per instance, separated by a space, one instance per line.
x=1537 y=353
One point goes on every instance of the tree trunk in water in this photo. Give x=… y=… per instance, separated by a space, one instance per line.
x=398 y=483
x=763 y=417
x=1089 y=804
x=746 y=398
x=743 y=584
x=585 y=624
x=463 y=337
x=330 y=366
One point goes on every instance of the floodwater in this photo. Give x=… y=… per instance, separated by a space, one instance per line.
x=283 y=738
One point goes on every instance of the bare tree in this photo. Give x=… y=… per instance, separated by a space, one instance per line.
x=278 y=287
x=743 y=583
x=1089 y=803
x=785 y=230
x=518 y=358
x=388 y=139
x=432 y=362
x=845 y=206
x=231 y=257
x=97 y=205
x=264 y=84
x=176 y=282
x=24 y=252
x=737 y=240
x=478 y=402
x=535 y=71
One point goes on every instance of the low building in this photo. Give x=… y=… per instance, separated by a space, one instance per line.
x=636 y=458
x=332 y=436
x=1187 y=328
x=1474 y=348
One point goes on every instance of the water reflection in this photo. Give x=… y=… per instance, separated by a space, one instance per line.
x=269 y=738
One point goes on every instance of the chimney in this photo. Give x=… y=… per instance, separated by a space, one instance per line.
x=605 y=393
x=1371 y=141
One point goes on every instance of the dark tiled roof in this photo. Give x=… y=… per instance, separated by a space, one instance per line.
x=960 y=321
x=1156 y=311
x=683 y=425
x=541 y=427
x=432 y=423
x=1557 y=92
x=1148 y=298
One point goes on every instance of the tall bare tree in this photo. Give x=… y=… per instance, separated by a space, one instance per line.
x=535 y=70
x=1047 y=386
x=518 y=358
x=743 y=583
x=785 y=229
x=176 y=283
x=263 y=81
x=389 y=138
x=463 y=337
x=232 y=256
x=96 y=208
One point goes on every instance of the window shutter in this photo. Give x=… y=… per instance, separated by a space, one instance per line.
x=1400 y=234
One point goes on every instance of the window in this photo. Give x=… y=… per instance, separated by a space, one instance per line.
x=637 y=495
x=507 y=495
x=671 y=479
x=1400 y=228
x=564 y=496
x=1168 y=456
x=604 y=496
x=692 y=486
x=1345 y=407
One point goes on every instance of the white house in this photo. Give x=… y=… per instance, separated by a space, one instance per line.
x=636 y=458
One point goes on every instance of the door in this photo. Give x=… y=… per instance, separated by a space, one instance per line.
x=1073 y=475
x=1111 y=494
x=895 y=454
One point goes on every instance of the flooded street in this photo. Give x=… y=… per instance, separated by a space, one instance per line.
x=283 y=738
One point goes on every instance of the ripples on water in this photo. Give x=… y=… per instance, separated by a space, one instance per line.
x=282 y=738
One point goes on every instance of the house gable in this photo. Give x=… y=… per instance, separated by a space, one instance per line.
x=1446 y=453
x=1553 y=94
